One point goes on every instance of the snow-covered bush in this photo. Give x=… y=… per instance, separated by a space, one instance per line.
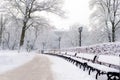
x=105 y=48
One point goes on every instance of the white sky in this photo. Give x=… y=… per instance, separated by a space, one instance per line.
x=77 y=11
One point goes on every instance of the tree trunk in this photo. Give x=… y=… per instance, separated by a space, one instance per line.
x=23 y=35
x=113 y=33
x=0 y=37
x=109 y=37
x=79 y=39
x=1 y=29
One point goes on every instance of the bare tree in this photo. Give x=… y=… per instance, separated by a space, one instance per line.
x=25 y=9
x=108 y=13
x=40 y=25
x=2 y=26
x=6 y=40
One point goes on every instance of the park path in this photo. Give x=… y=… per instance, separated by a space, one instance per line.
x=36 y=69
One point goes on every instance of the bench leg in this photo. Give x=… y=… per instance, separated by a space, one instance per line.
x=84 y=68
x=108 y=77
x=74 y=62
x=113 y=76
x=77 y=64
x=89 y=71
x=80 y=65
x=98 y=73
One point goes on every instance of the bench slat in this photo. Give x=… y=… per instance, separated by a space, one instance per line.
x=110 y=59
x=87 y=56
x=102 y=67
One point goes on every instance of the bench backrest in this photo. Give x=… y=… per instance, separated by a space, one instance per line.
x=71 y=53
x=86 y=56
x=109 y=59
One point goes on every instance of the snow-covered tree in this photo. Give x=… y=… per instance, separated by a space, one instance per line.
x=3 y=22
x=25 y=11
x=107 y=16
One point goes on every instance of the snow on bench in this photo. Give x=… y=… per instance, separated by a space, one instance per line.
x=103 y=69
x=82 y=58
x=71 y=53
x=110 y=59
x=79 y=59
x=86 y=56
x=90 y=60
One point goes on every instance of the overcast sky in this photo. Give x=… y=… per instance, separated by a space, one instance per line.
x=77 y=11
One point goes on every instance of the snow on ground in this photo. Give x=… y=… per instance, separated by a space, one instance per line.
x=12 y=59
x=63 y=70
x=36 y=69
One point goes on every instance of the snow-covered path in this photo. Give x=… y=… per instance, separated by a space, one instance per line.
x=63 y=70
x=45 y=67
x=36 y=69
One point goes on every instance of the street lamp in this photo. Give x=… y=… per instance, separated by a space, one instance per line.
x=59 y=34
x=59 y=39
x=80 y=31
x=43 y=45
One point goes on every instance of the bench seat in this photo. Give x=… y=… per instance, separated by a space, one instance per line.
x=102 y=67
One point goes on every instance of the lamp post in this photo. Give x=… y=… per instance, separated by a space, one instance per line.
x=80 y=31
x=59 y=34
x=43 y=45
x=59 y=39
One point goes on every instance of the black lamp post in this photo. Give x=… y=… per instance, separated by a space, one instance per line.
x=43 y=45
x=80 y=31
x=59 y=39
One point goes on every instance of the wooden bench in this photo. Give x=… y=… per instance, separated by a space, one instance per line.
x=82 y=59
x=102 y=64
x=79 y=60
x=108 y=65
